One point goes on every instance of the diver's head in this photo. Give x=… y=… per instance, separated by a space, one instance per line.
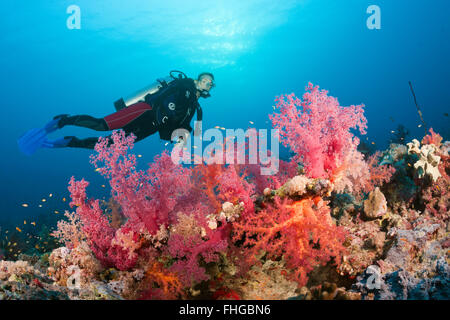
x=204 y=83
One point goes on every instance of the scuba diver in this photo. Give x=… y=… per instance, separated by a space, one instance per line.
x=163 y=107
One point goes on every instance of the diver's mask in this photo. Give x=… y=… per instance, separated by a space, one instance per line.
x=205 y=93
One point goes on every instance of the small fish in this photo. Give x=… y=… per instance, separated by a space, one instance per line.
x=216 y=127
x=18 y=229
x=419 y=126
x=40 y=206
x=195 y=147
x=97 y=170
x=166 y=143
x=33 y=223
x=50 y=195
x=56 y=211
x=392 y=131
x=222 y=128
x=139 y=155
x=251 y=122
x=373 y=142
x=103 y=186
x=64 y=199
x=43 y=200
x=25 y=205
x=24 y=221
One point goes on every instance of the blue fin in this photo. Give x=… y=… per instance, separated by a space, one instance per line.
x=36 y=138
x=31 y=141
x=52 y=125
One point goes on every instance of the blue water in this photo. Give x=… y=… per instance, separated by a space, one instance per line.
x=256 y=50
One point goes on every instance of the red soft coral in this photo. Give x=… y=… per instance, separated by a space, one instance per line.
x=432 y=138
x=301 y=232
x=317 y=129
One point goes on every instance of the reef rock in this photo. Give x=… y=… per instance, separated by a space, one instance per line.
x=375 y=206
x=402 y=285
x=395 y=153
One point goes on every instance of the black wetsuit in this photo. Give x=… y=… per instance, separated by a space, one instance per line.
x=171 y=108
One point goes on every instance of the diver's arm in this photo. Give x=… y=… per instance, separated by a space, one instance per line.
x=199 y=113
x=198 y=124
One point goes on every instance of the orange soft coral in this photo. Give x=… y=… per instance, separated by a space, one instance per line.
x=163 y=283
x=302 y=233
x=432 y=138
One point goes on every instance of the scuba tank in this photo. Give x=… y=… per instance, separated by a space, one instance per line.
x=150 y=89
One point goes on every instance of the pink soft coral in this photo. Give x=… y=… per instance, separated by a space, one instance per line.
x=317 y=129
x=360 y=177
x=191 y=246
x=95 y=224
x=146 y=198
x=153 y=202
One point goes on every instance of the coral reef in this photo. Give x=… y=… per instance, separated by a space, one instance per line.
x=332 y=224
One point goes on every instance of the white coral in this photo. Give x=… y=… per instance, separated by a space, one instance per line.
x=428 y=159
